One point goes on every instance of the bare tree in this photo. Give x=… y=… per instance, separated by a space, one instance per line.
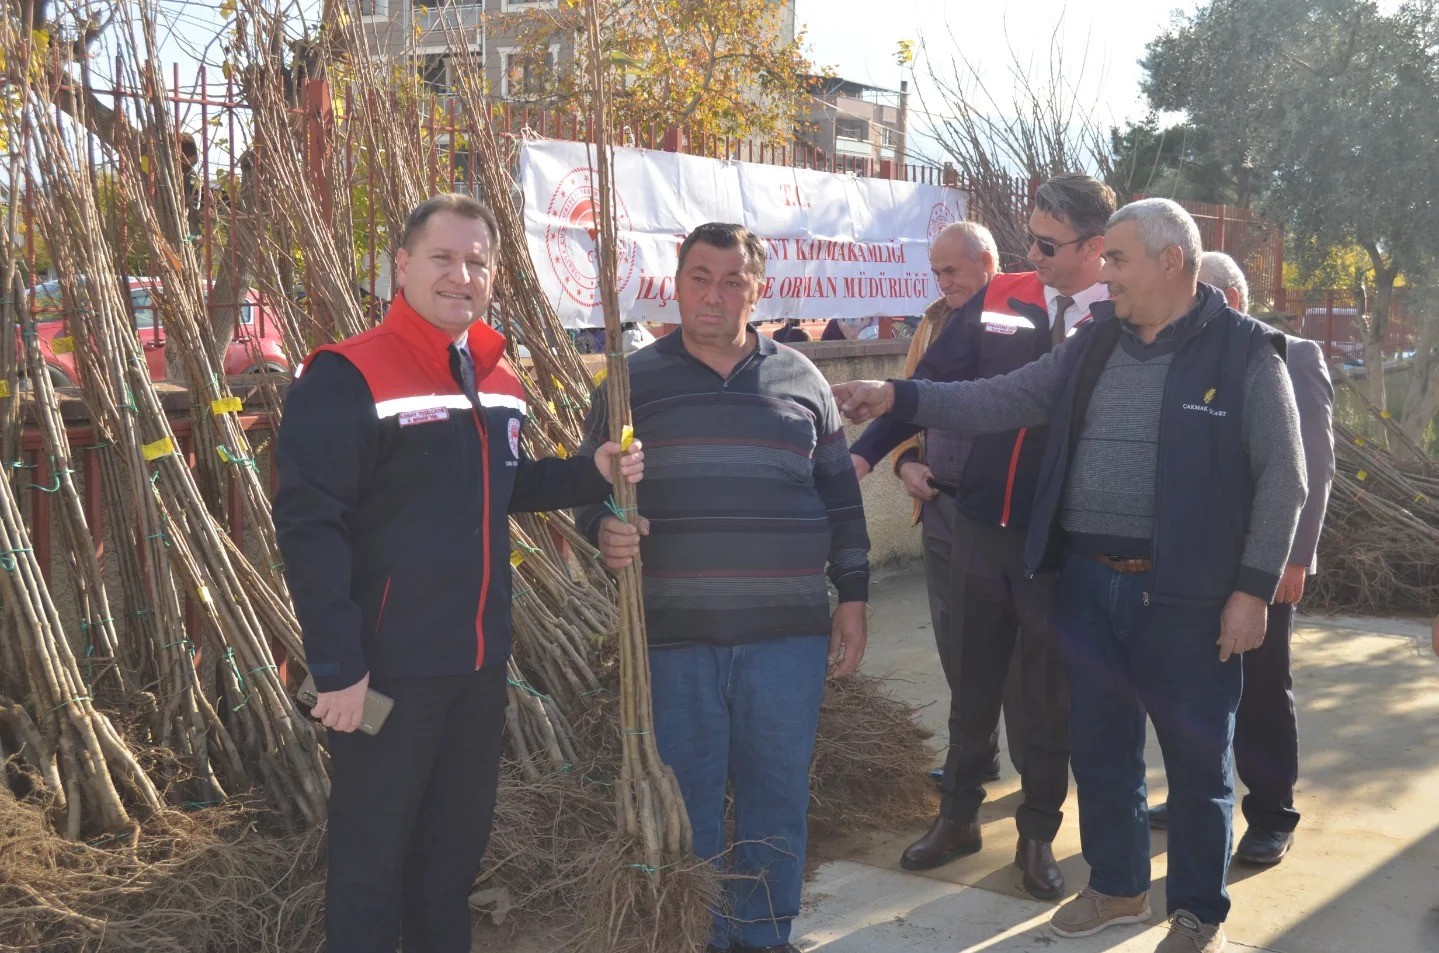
x=1005 y=145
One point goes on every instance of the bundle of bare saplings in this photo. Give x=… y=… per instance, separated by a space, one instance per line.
x=161 y=789
x=1380 y=548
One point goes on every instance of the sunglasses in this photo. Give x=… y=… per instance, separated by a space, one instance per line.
x=1048 y=247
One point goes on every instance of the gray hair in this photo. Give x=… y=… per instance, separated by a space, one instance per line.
x=1221 y=271
x=1163 y=223
x=976 y=238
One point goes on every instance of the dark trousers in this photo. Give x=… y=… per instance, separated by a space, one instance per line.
x=1266 y=731
x=410 y=814
x=993 y=607
x=943 y=610
x=1127 y=655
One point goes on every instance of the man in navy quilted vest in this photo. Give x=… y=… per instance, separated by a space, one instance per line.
x=1168 y=497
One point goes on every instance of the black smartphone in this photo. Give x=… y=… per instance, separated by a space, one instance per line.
x=943 y=486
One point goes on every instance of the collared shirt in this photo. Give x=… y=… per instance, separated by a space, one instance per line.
x=1078 y=313
x=749 y=491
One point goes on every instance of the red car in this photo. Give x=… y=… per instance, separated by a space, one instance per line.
x=254 y=347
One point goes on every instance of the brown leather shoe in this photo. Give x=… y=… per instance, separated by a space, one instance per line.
x=1042 y=879
x=945 y=841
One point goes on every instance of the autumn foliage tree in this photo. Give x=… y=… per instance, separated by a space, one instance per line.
x=711 y=67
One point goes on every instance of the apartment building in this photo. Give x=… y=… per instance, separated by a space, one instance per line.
x=421 y=28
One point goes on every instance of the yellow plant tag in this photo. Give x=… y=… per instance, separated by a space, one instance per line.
x=600 y=375
x=226 y=405
x=516 y=557
x=627 y=437
x=203 y=593
x=65 y=345
x=4 y=388
x=561 y=452
x=551 y=405
x=1362 y=475
x=160 y=448
x=1385 y=414
x=1420 y=498
x=1360 y=441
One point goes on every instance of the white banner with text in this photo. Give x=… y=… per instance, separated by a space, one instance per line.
x=839 y=246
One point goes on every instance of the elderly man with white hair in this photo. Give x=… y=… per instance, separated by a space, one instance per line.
x=1172 y=482
x=1266 y=729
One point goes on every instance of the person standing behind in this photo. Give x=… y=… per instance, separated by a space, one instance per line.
x=962 y=258
x=982 y=488
x=399 y=463
x=1171 y=486
x=791 y=332
x=749 y=497
x=1266 y=729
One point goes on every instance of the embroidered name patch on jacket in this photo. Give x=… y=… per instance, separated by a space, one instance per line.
x=425 y=416
x=996 y=323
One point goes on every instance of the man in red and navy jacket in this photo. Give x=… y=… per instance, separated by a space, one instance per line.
x=994 y=602
x=400 y=460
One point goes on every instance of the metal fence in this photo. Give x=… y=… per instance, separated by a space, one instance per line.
x=212 y=120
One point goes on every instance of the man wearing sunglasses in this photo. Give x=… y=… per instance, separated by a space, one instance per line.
x=982 y=488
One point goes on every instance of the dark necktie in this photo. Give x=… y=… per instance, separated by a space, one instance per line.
x=462 y=369
x=1061 y=304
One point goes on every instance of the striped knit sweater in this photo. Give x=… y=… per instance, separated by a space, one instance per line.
x=749 y=491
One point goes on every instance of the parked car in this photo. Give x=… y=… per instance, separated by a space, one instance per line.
x=254 y=346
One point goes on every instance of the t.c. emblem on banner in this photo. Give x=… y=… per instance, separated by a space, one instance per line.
x=575 y=203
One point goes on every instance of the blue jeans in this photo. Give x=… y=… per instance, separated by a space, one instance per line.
x=745 y=714
x=1125 y=658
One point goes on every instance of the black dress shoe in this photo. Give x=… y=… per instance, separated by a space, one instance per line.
x=1042 y=879
x=1159 y=816
x=1264 y=848
x=945 y=841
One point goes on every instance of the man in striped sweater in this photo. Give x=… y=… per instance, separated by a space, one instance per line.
x=749 y=499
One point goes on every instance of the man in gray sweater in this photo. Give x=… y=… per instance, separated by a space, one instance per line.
x=1168 y=498
x=1266 y=729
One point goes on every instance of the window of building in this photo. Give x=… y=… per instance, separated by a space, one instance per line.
x=435 y=72
x=851 y=127
x=525 y=73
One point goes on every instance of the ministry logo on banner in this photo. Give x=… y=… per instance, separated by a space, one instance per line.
x=837 y=245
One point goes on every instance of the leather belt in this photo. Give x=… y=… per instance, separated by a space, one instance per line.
x=1122 y=564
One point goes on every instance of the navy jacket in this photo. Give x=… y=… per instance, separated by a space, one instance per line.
x=1003 y=327
x=394 y=494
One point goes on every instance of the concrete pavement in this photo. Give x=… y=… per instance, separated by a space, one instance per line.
x=1363 y=876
